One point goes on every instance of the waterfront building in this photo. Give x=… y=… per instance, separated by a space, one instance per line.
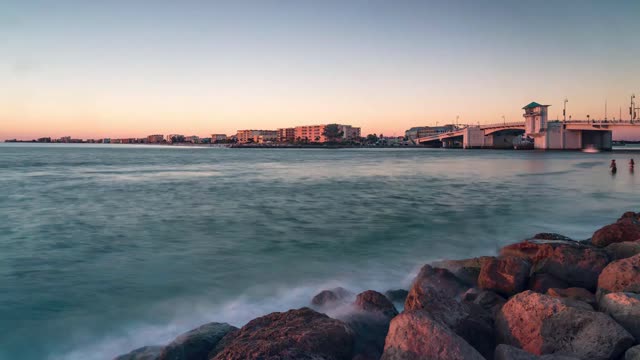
x=257 y=136
x=218 y=137
x=286 y=135
x=192 y=139
x=177 y=138
x=155 y=139
x=315 y=133
x=44 y=140
x=423 y=131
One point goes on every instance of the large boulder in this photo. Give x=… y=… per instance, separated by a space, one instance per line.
x=627 y=228
x=542 y=282
x=331 y=297
x=466 y=270
x=143 y=353
x=542 y=324
x=624 y=308
x=633 y=353
x=432 y=280
x=486 y=299
x=508 y=352
x=623 y=250
x=579 y=294
x=468 y=320
x=551 y=236
x=295 y=334
x=397 y=296
x=578 y=266
x=534 y=250
x=370 y=318
x=506 y=276
x=621 y=276
x=416 y=335
x=197 y=343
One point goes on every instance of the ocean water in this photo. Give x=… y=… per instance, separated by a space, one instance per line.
x=107 y=248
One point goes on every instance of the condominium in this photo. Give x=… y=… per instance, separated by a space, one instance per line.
x=286 y=135
x=257 y=136
x=315 y=133
x=155 y=139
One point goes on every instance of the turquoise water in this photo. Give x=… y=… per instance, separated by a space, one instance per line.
x=107 y=248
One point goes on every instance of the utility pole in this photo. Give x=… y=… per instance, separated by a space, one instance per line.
x=504 y=120
x=632 y=110
x=457 y=117
x=605 y=109
x=564 y=110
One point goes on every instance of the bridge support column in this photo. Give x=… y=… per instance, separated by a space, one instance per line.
x=473 y=138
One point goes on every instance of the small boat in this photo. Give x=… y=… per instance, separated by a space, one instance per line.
x=523 y=143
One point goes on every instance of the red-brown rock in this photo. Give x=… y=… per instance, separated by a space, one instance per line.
x=468 y=320
x=579 y=294
x=370 y=322
x=577 y=266
x=486 y=299
x=543 y=282
x=624 y=308
x=623 y=250
x=416 y=335
x=627 y=228
x=196 y=344
x=373 y=301
x=295 y=334
x=542 y=324
x=534 y=250
x=621 y=276
x=331 y=297
x=466 y=270
x=506 y=276
x=432 y=280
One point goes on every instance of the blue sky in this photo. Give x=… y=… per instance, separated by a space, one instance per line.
x=129 y=68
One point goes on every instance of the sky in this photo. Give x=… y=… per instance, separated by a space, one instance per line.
x=92 y=69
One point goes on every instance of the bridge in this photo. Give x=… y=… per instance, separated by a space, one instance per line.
x=540 y=133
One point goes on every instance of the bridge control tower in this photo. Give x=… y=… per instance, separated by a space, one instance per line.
x=535 y=119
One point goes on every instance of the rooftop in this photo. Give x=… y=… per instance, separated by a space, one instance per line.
x=534 y=105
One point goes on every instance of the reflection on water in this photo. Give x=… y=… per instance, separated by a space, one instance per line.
x=106 y=248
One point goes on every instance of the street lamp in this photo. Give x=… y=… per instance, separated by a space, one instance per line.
x=504 y=120
x=589 y=121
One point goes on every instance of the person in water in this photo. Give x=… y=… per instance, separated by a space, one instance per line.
x=632 y=164
x=613 y=167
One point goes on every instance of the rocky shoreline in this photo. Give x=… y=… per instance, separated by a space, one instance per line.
x=549 y=297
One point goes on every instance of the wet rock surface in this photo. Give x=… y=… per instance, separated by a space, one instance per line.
x=507 y=352
x=417 y=335
x=627 y=228
x=505 y=276
x=542 y=324
x=295 y=334
x=331 y=297
x=197 y=343
x=621 y=276
x=143 y=353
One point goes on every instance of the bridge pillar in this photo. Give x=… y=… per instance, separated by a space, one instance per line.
x=473 y=138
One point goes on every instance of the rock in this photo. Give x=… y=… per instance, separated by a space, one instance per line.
x=397 y=296
x=466 y=270
x=621 y=276
x=331 y=297
x=416 y=335
x=542 y=324
x=627 y=228
x=624 y=308
x=432 y=280
x=370 y=323
x=633 y=353
x=467 y=320
x=623 y=250
x=507 y=352
x=574 y=294
x=295 y=334
x=197 y=343
x=373 y=301
x=486 y=299
x=535 y=249
x=577 y=266
x=551 y=236
x=543 y=282
x=506 y=276
x=143 y=353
